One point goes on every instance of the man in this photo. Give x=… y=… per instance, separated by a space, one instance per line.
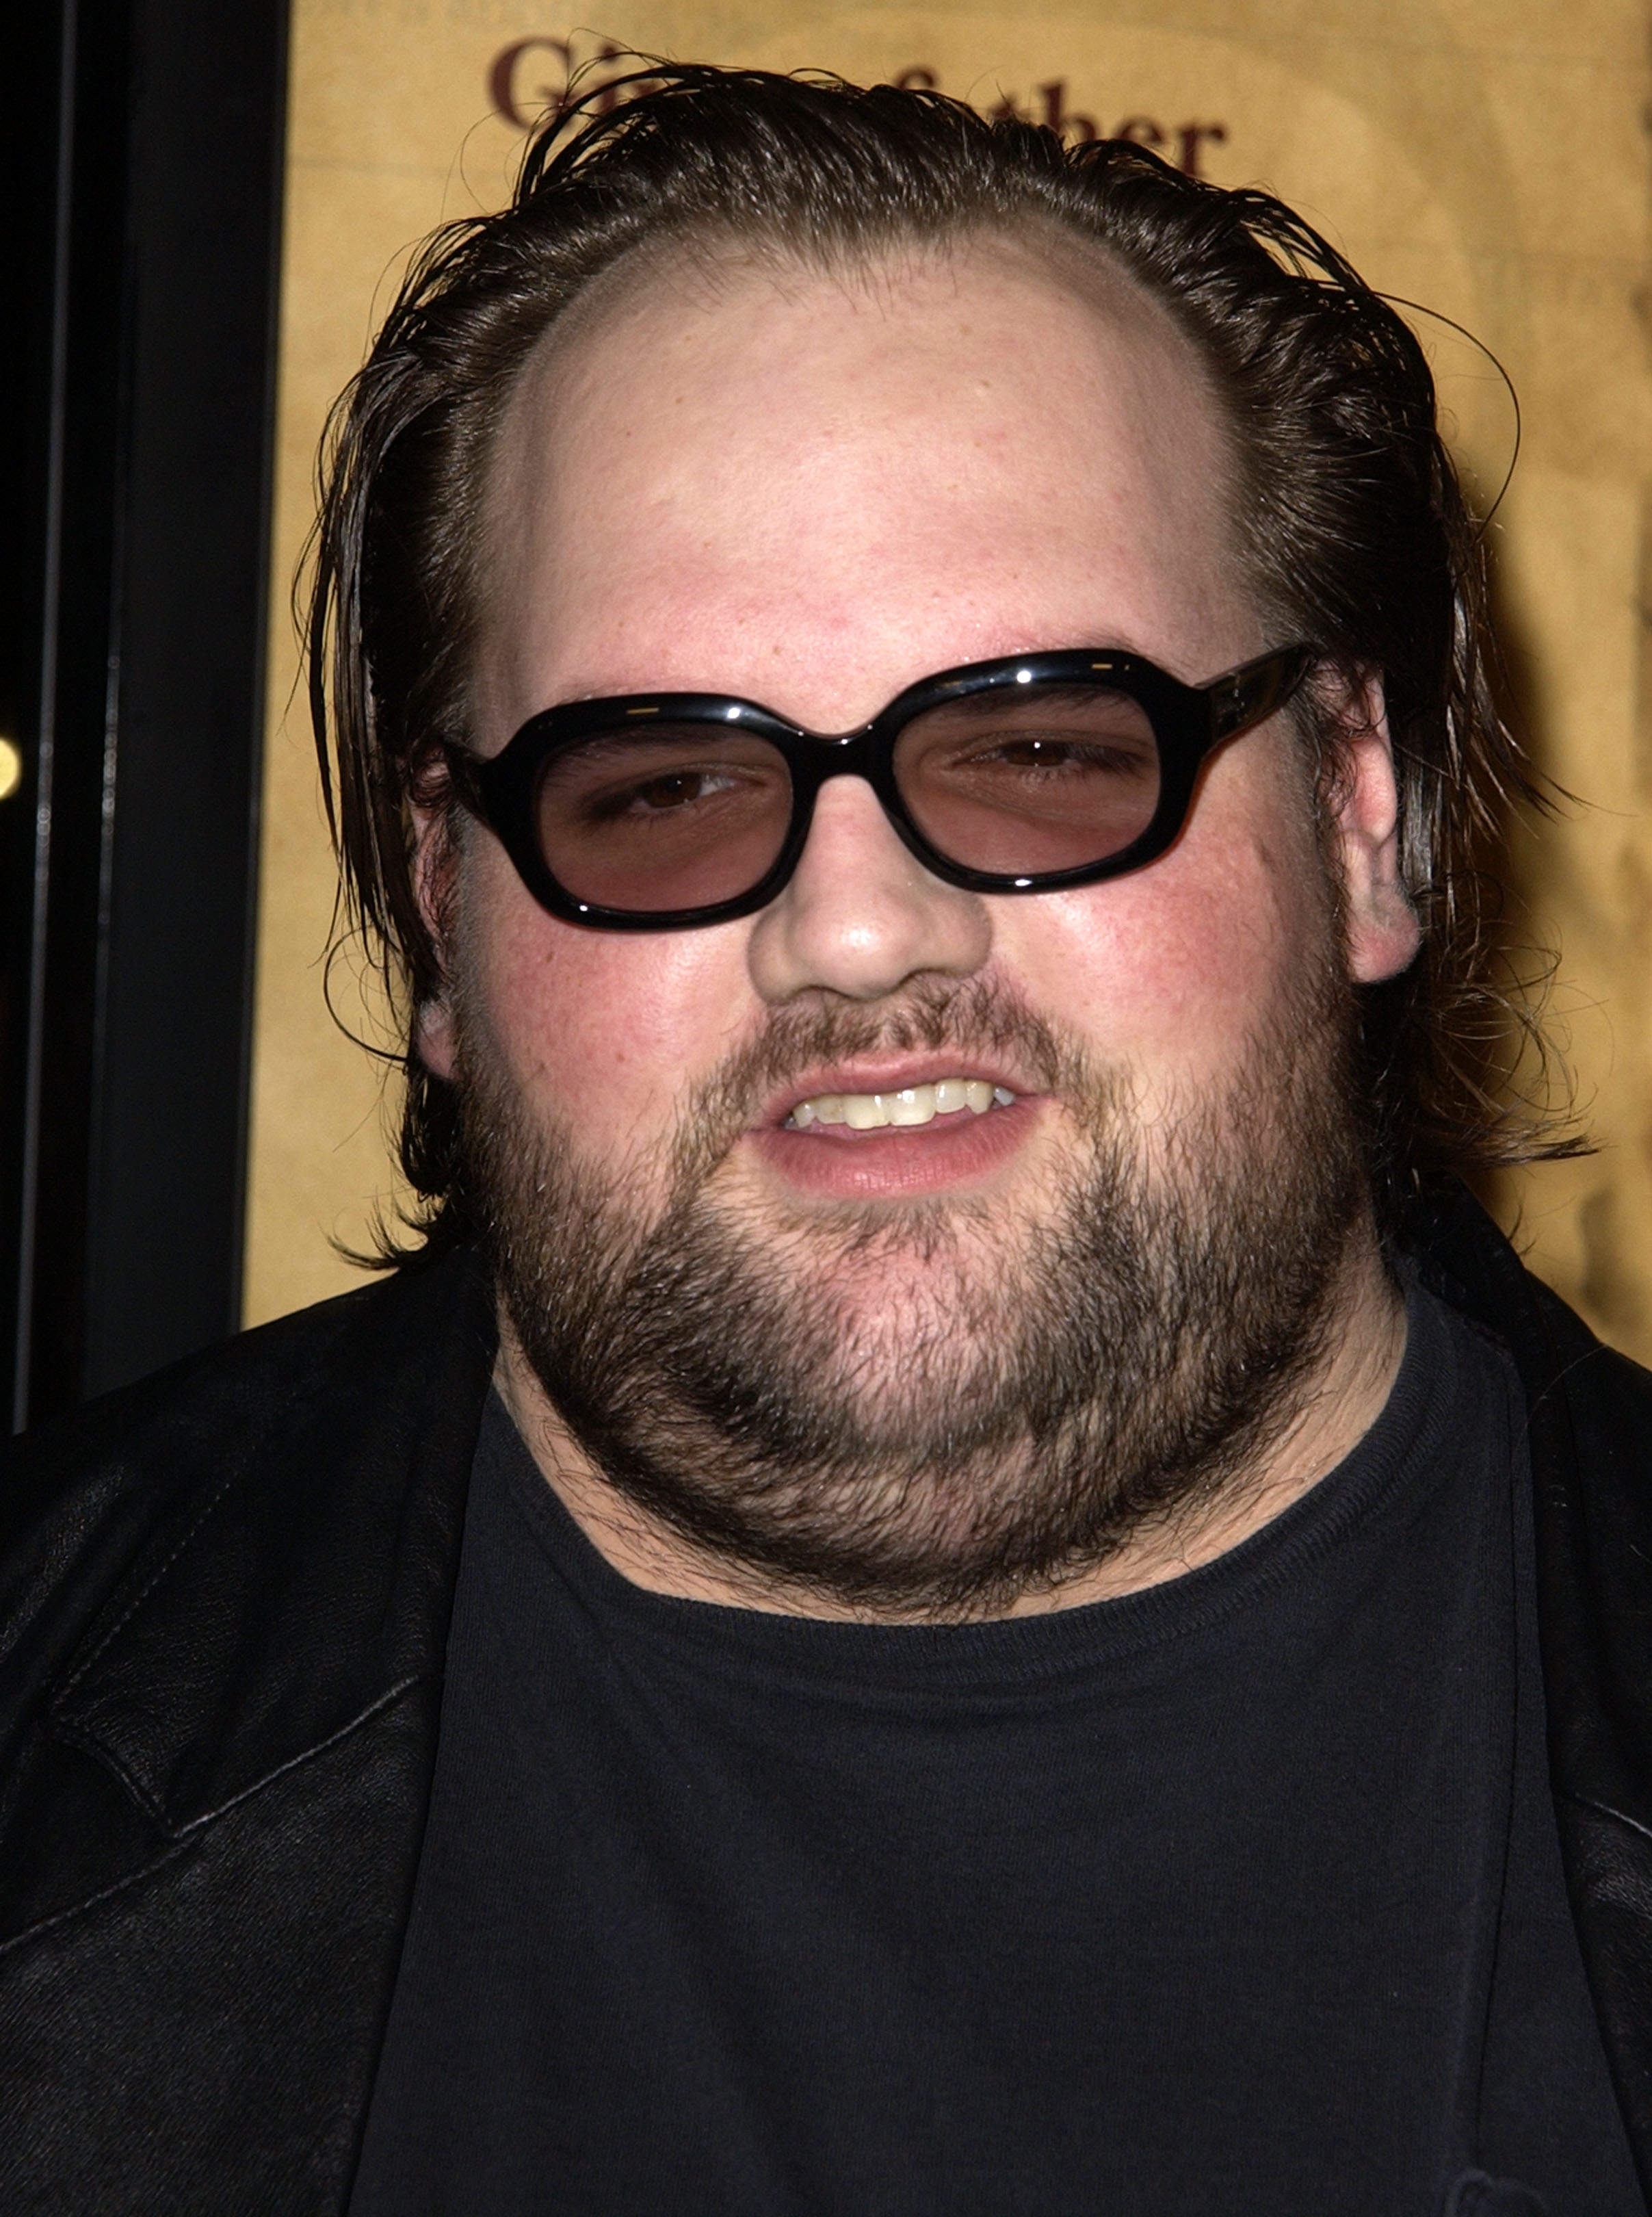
x=1040 y=1616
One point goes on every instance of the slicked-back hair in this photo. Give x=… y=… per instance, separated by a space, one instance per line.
x=1348 y=517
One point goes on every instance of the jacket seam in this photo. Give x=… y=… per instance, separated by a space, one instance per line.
x=181 y=1835
x=112 y=1632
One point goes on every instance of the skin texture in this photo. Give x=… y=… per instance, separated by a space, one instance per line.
x=812 y=489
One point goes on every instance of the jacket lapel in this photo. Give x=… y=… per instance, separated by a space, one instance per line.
x=1590 y=1431
x=248 y=1733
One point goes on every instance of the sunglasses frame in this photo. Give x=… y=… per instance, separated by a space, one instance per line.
x=1189 y=722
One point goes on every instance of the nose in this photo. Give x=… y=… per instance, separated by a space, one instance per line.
x=862 y=916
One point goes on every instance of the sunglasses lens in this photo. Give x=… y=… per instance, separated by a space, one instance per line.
x=673 y=817
x=1015 y=780
x=1025 y=779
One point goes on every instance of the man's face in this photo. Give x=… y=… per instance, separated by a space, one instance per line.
x=813 y=491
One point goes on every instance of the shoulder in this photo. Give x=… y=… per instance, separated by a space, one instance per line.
x=102 y=1444
x=1588 y=1412
x=1588 y=1400
x=280 y=1410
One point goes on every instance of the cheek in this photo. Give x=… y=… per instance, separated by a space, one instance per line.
x=1168 y=973
x=603 y=1029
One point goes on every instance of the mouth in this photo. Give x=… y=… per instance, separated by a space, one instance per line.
x=898 y=1131
x=906 y=1106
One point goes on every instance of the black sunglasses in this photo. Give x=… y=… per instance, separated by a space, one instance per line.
x=657 y=811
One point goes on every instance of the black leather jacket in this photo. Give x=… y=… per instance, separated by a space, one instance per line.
x=224 y=1597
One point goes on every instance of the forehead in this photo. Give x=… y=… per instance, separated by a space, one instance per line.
x=815 y=487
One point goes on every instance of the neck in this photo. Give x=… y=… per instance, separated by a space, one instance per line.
x=1334 y=1408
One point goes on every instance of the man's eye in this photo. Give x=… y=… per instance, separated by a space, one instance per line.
x=670 y=791
x=1037 y=754
x=1076 y=758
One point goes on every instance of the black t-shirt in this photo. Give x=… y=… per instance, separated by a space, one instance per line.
x=1240 y=1894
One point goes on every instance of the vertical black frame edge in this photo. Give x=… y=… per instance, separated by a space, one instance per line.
x=34 y=45
x=61 y=441
x=171 y=157
x=169 y=1161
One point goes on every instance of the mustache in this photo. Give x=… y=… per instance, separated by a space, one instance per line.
x=976 y=1016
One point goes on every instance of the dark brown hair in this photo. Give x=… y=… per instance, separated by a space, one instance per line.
x=1351 y=520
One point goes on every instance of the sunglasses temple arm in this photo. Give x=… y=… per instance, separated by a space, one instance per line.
x=1247 y=696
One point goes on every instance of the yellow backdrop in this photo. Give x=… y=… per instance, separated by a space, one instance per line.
x=1487 y=158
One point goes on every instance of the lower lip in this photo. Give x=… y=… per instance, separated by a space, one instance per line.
x=899 y=1160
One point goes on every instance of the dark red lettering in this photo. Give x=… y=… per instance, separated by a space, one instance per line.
x=917 y=80
x=1189 y=135
x=1078 y=127
x=502 y=80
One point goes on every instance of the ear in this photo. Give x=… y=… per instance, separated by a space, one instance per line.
x=436 y=887
x=1380 y=927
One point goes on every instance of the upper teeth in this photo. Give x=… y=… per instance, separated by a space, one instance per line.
x=912 y=1104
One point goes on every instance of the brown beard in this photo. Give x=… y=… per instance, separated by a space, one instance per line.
x=1049 y=1380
